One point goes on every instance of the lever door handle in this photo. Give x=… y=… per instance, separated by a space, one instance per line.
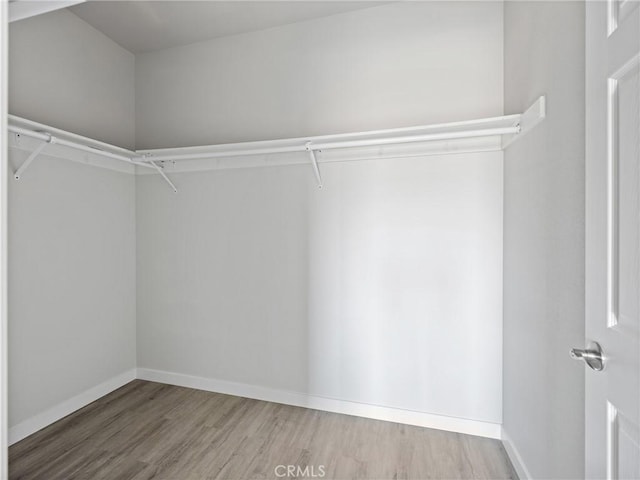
x=592 y=355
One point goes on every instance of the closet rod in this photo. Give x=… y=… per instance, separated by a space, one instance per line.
x=310 y=146
x=57 y=132
x=46 y=137
x=509 y=126
x=418 y=138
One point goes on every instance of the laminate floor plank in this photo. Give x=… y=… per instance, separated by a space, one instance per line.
x=151 y=431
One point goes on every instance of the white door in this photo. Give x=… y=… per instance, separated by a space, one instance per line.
x=613 y=238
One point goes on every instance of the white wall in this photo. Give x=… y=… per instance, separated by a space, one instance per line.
x=396 y=65
x=72 y=226
x=72 y=290
x=383 y=288
x=65 y=73
x=544 y=239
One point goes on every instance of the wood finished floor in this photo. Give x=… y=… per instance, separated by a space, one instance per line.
x=148 y=430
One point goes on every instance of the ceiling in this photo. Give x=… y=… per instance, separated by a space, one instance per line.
x=145 y=26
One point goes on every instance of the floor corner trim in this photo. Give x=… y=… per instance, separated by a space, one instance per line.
x=61 y=410
x=515 y=457
x=409 y=417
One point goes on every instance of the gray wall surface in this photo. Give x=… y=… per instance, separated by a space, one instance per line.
x=71 y=226
x=397 y=65
x=354 y=291
x=544 y=239
x=72 y=289
x=384 y=287
x=65 y=73
x=254 y=275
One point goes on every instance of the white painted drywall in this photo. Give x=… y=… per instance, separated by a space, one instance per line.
x=544 y=239
x=71 y=226
x=401 y=64
x=72 y=289
x=65 y=73
x=383 y=288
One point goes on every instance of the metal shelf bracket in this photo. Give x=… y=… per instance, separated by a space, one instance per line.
x=33 y=155
x=160 y=171
x=314 y=163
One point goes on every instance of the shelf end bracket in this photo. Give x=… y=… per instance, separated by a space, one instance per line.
x=535 y=114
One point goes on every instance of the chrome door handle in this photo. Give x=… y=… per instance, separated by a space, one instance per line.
x=592 y=355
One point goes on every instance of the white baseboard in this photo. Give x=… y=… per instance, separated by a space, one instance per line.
x=421 y=419
x=514 y=456
x=38 y=422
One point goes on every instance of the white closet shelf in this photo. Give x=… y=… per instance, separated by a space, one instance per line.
x=501 y=131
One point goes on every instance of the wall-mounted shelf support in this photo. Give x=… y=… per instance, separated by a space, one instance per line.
x=161 y=172
x=490 y=134
x=535 y=114
x=507 y=126
x=39 y=131
x=32 y=156
x=314 y=163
